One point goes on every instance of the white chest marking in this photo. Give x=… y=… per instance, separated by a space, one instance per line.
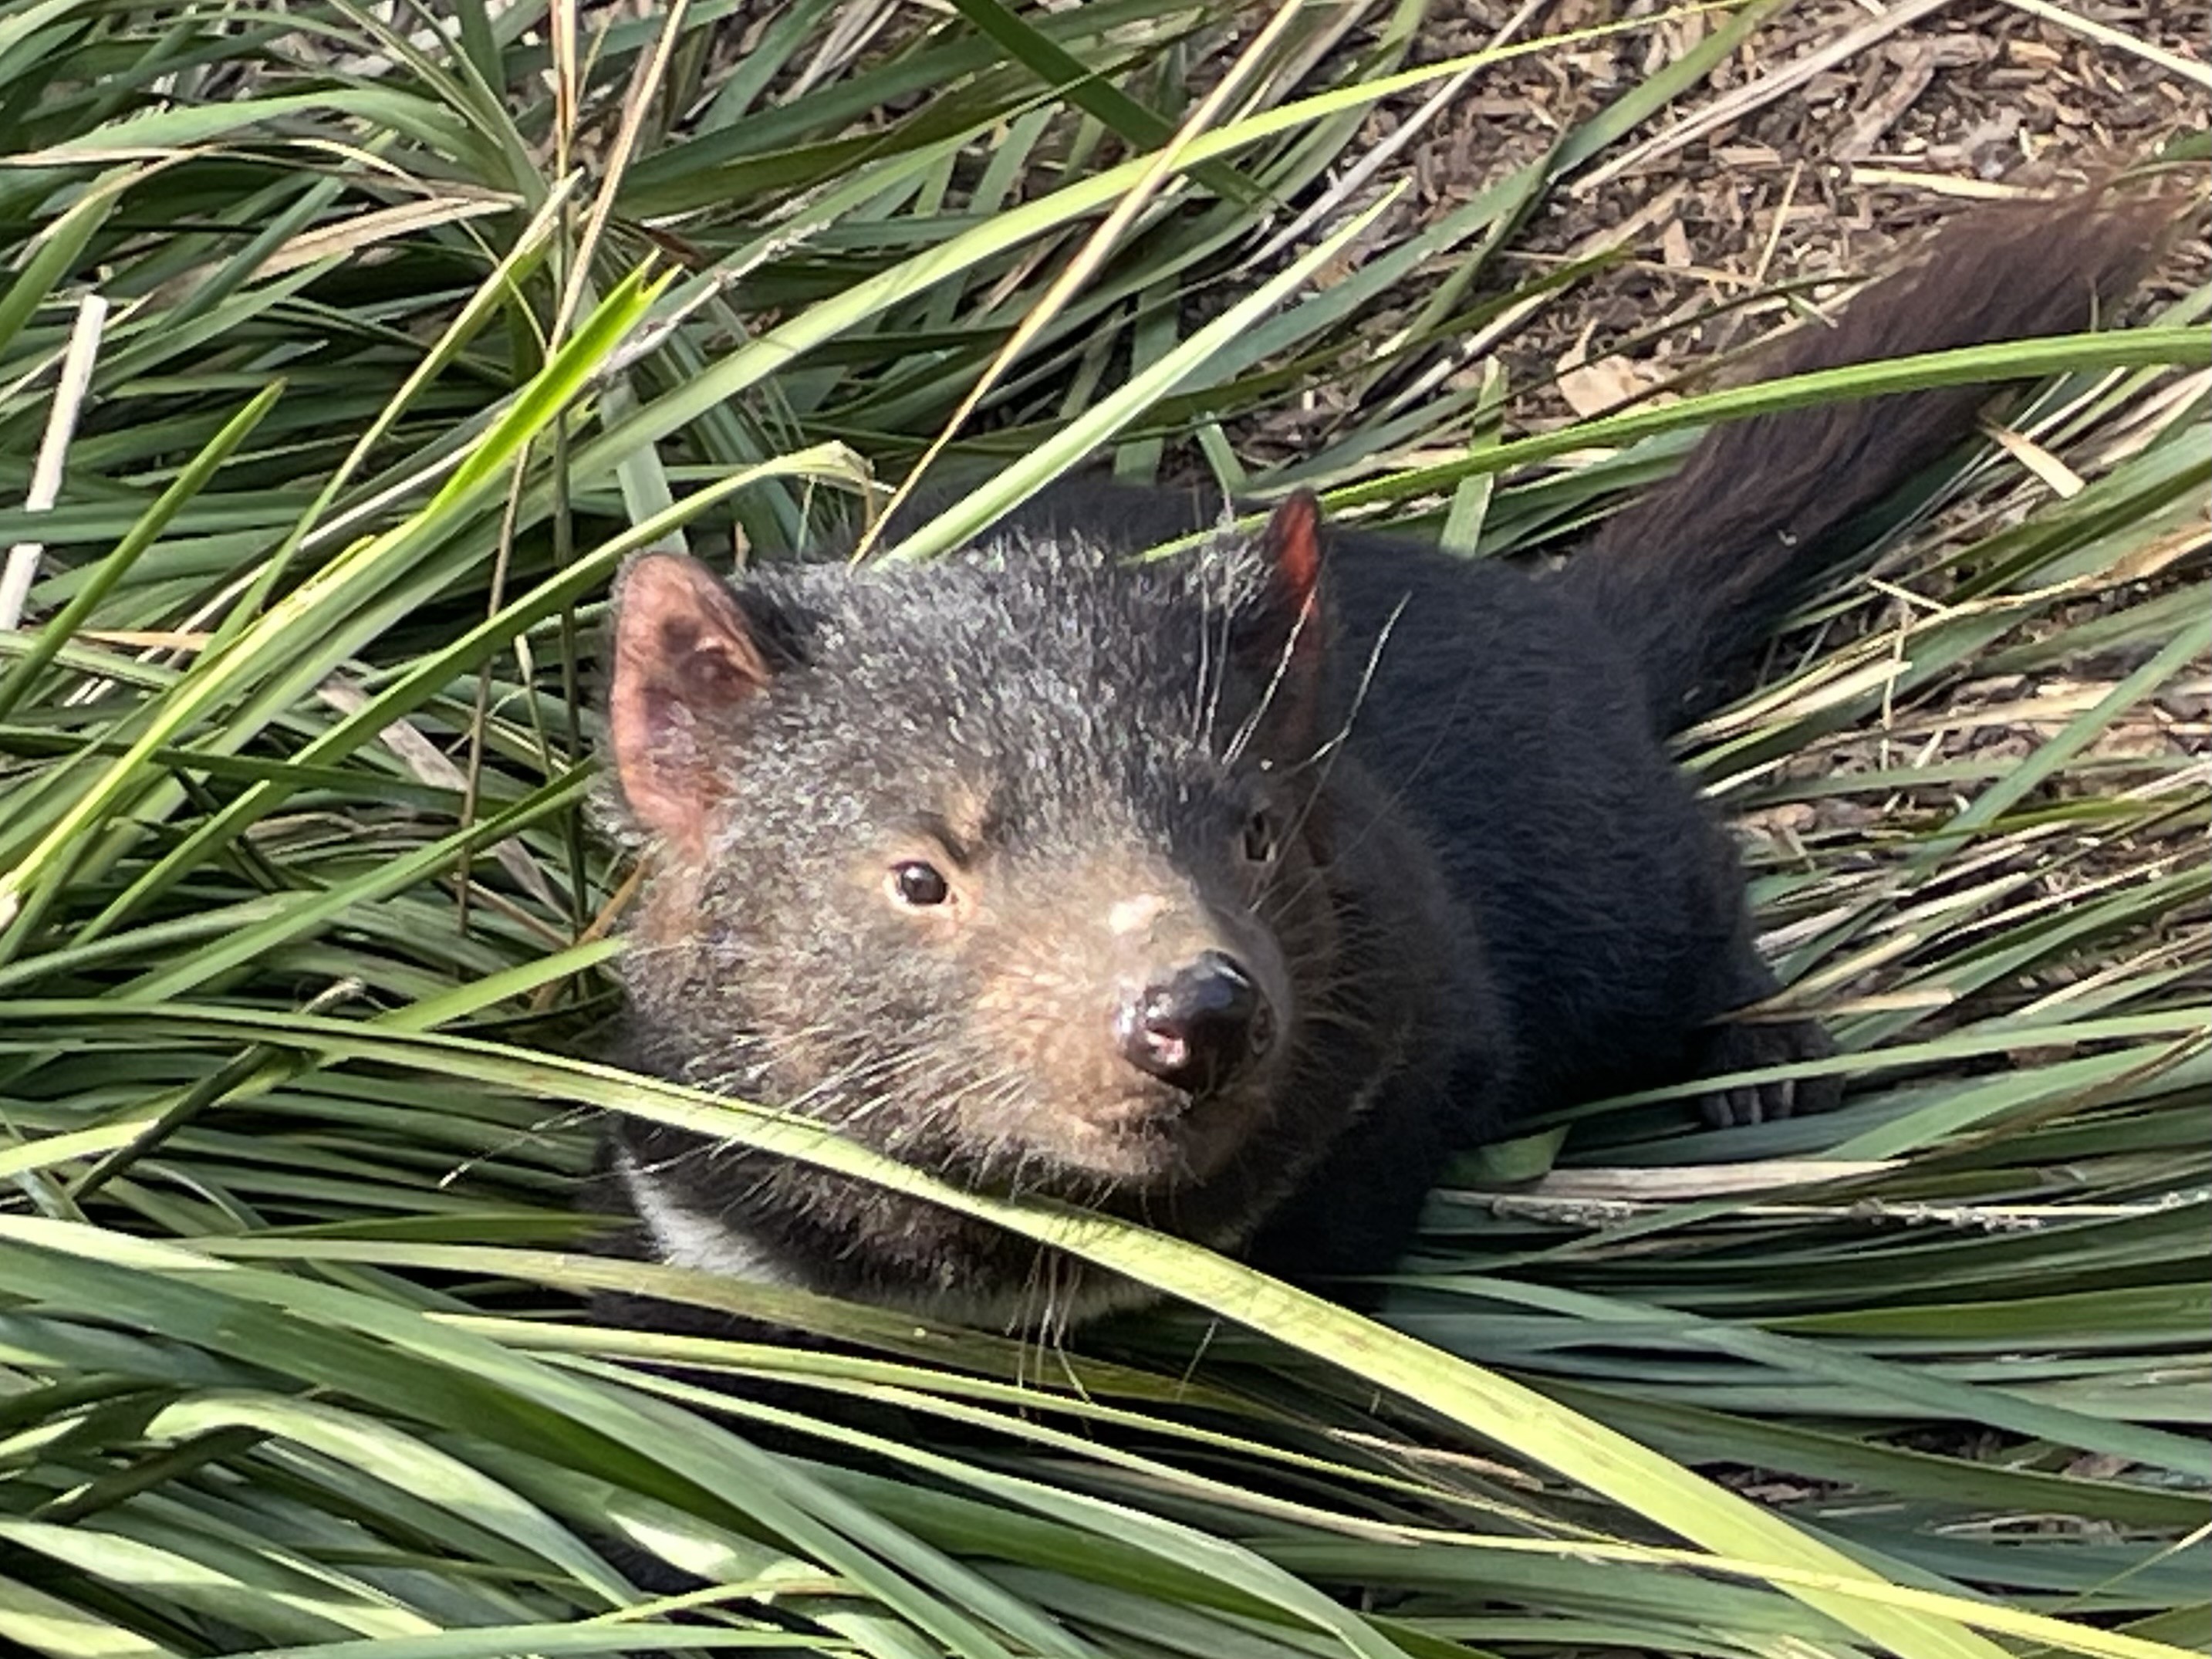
x=682 y=1237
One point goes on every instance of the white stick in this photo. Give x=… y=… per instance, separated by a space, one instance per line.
x=22 y=567
x=2119 y=39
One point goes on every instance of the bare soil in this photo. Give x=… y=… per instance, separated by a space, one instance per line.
x=1819 y=174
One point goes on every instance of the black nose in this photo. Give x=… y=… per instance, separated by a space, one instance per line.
x=1194 y=1029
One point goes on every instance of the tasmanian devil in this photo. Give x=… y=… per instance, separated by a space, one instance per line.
x=1228 y=892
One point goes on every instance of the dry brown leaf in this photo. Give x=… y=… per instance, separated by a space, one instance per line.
x=1593 y=388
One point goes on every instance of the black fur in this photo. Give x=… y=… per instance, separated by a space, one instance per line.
x=1699 y=572
x=1496 y=895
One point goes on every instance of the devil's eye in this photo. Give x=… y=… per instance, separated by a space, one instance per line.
x=1260 y=838
x=919 y=884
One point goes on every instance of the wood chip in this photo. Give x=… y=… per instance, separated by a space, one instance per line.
x=1873 y=123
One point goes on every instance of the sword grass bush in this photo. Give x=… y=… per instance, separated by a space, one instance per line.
x=395 y=329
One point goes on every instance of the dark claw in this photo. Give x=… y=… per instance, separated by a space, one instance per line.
x=1748 y=1046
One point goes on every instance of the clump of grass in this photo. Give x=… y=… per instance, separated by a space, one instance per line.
x=409 y=329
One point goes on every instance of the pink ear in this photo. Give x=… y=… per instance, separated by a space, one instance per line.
x=1292 y=544
x=684 y=655
x=1281 y=640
